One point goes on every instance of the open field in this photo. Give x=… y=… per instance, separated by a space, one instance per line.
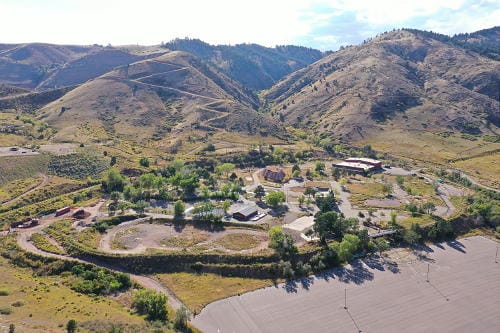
x=17 y=187
x=485 y=169
x=461 y=296
x=143 y=236
x=198 y=290
x=427 y=146
x=45 y=304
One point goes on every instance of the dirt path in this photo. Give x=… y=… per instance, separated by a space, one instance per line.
x=164 y=87
x=44 y=182
x=146 y=281
x=473 y=181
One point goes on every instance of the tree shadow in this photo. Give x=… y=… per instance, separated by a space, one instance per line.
x=357 y=273
x=290 y=286
x=457 y=245
x=422 y=256
x=440 y=246
x=374 y=263
x=306 y=282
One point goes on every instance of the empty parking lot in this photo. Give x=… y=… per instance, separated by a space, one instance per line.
x=462 y=295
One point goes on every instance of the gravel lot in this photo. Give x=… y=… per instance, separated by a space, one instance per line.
x=461 y=296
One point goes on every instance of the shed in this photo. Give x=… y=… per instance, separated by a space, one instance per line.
x=245 y=213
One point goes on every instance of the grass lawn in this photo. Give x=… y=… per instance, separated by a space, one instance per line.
x=240 y=242
x=422 y=220
x=45 y=304
x=41 y=242
x=198 y=290
x=364 y=191
x=89 y=237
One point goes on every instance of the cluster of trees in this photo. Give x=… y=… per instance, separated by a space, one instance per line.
x=151 y=303
x=175 y=182
x=424 y=208
x=98 y=281
x=281 y=242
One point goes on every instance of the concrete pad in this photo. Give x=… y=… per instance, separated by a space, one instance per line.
x=300 y=224
x=461 y=296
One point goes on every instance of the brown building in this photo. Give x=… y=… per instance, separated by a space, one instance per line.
x=274 y=174
x=245 y=213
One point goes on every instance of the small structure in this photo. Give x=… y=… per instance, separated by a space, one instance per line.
x=63 y=211
x=359 y=165
x=274 y=174
x=26 y=223
x=245 y=213
x=81 y=214
x=369 y=161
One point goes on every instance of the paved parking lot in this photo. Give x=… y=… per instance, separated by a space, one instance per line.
x=462 y=295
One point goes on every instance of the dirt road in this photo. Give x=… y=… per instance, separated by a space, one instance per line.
x=44 y=182
x=23 y=237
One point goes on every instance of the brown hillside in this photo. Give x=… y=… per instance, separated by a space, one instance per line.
x=397 y=80
x=151 y=98
x=48 y=66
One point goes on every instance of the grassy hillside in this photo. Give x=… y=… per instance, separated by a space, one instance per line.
x=154 y=99
x=398 y=86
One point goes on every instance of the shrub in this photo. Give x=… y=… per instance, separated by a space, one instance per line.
x=5 y=311
x=152 y=304
x=18 y=304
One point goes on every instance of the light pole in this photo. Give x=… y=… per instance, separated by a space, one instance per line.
x=345 y=298
x=428 y=267
x=496 y=255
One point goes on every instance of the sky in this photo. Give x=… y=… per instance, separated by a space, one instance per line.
x=321 y=24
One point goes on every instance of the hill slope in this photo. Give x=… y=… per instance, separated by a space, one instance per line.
x=149 y=99
x=400 y=80
x=254 y=66
x=47 y=66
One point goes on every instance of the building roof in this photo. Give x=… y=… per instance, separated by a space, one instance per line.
x=247 y=210
x=355 y=165
x=362 y=159
x=276 y=174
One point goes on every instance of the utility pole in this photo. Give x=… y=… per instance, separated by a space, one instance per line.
x=428 y=267
x=496 y=255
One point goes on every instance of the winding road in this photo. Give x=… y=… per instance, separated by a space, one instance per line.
x=24 y=235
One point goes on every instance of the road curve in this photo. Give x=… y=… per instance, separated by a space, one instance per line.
x=145 y=281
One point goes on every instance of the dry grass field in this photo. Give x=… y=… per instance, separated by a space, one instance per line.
x=198 y=290
x=45 y=304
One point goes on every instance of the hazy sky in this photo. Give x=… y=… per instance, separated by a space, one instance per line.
x=323 y=24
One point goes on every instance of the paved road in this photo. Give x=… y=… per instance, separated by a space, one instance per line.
x=461 y=296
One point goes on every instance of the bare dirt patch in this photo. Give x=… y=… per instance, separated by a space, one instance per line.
x=142 y=237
